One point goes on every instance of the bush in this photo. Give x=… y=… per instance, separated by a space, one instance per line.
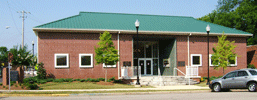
x=112 y=79
x=101 y=79
x=68 y=80
x=1 y=84
x=117 y=81
x=42 y=81
x=251 y=66
x=82 y=80
x=58 y=80
x=16 y=85
x=88 y=80
x=76 y=79
x=30 y=80
x=50 y=80
x=32 y=86
x=41 y=72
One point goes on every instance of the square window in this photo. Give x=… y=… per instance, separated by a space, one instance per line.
x=85 y=60
x=61 y=60
x=233 y=62
x=196 y=59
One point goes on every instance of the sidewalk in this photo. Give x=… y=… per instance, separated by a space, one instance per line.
x=176 y=87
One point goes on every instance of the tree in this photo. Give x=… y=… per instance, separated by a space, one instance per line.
x=238 y=14
x=3 y=54
x=106 y=52
x=224 y=53
x=21 y=56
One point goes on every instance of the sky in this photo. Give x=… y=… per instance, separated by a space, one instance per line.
x=44 y=11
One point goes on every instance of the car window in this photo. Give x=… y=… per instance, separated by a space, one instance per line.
x=253 y=72
x=230 y=75
x=241 y=73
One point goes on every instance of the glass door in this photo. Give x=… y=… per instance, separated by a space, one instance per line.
x=146 y=66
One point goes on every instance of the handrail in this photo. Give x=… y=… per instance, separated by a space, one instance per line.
x=179 y=71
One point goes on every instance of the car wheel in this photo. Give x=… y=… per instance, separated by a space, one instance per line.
x=252 y=87
x=216 y=87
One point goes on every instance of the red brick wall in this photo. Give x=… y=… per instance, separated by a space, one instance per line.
x=74 y=44
x=198 y=45
x=252 y=55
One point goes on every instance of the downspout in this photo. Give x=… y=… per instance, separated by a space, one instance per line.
x=119 y=54
x=188 y=63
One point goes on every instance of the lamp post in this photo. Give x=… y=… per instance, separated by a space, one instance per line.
x=137 y=26
x=33 y=57
x=208 y=28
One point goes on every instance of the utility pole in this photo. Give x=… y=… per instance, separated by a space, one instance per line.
x=23 y=24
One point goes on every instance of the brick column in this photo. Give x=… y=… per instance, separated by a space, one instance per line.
x=5 y=77
x=21 y=74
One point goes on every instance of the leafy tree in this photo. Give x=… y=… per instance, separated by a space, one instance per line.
x=224 y=53
x=21 y=56
x=106 y=52
x=3 y=54
x=41 y=72
x=238 y=14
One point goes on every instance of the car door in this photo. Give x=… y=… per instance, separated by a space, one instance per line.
x=228 y=80
x=241 y=79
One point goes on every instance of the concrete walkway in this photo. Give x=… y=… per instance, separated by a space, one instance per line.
x=176 y=87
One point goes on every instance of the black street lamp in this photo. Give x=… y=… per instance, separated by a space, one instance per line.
x=208 y=28
x=137 y=26
x=33 y=57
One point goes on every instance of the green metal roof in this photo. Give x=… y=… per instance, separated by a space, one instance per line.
x=152 y=23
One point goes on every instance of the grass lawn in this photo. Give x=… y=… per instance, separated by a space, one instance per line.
x=83 y=85
x=202 y=84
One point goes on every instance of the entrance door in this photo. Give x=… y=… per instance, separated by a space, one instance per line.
x=146 y=66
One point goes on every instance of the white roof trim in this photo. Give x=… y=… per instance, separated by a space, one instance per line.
x=134 y=32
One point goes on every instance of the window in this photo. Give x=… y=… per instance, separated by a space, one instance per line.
x=253 y=72
x=241 y=73
x=210 y=60
x=196 y=59
x=86 y=60
x=61 y=60
x=110 y=65
x=230 y=75
x=233 y=62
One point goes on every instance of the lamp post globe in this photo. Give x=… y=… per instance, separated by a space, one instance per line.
x=137 y=26
x=208 y=28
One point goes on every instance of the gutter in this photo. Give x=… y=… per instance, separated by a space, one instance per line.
x=119 y=54
x=133 y=32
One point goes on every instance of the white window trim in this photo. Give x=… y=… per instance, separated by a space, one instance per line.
x=61 y=54
x=192 y=59
x=210 y=64
x=235 y=62
x=85 y=66
x=109 y=65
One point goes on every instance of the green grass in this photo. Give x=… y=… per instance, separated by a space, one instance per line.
x=84 y=85
x=202 y=84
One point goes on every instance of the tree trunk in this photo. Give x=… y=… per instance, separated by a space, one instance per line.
x=223 y=72
x=105 y=74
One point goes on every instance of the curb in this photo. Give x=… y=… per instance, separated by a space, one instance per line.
x=32 y=95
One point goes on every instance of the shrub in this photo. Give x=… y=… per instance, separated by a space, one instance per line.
x=32 y=86
x=1 y=84
x=251 y=66
x=117 y=81
x=101 y=79
x=82 y=80
x=42 y=81
x=76 y=79
x=94 y=80
x=41 y=72
x=112 y=79
x=69 y=80
x=16 y=85
x=57 y=80
x=50 y=80
x=88 y=80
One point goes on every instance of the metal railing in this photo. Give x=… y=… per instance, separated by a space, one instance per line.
x=179 y=71
x=191 y=71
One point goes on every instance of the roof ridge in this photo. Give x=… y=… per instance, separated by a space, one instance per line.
x=134 y=14
x=57 y=20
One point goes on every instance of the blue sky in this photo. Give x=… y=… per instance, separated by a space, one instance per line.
x=44 y=11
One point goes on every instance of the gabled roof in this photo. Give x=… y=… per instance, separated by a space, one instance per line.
x=126 y=22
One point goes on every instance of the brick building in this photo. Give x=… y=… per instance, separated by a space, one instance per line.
x=167 y=44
